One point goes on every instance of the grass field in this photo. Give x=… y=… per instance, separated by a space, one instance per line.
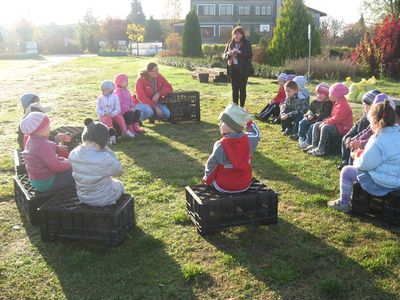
x=312 y=253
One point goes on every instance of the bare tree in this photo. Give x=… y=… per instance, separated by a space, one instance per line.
x=375 y=10
x=330 y=29
x=172 y=9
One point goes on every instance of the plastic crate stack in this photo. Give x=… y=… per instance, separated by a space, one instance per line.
x=211 y=210
x=64 y=216
x=385 y=208
x=184 y=106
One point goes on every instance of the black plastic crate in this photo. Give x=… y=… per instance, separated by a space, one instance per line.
x=333 y=145
x=64 y=216
x=74 y=132
x=19 y=162
x=210 y=210
x=184 y=106
x=28 y=199
x=385 y=208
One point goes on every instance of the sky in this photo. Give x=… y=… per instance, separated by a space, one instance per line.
x=71 y=11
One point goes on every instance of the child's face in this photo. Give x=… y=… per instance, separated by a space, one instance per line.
x=125 y=84
x=45 y=132
x=224 y=129
x=366 y=107
x=106 y=92
x=322 y=96
x=290 y=92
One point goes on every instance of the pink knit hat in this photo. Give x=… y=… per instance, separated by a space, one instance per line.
x=322 y=88
x=34 y=123
x=338 y=90
x=120 y=79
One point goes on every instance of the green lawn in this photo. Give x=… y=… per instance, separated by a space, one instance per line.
x=312 y=253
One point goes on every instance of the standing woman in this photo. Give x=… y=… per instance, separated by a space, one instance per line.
x=239 y=54
x=151 y=89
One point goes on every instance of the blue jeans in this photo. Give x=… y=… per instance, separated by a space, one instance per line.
x=305 y=130
x=320 y=135
x=147 y=112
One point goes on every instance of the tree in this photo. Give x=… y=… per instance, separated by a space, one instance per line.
x=191 y=40
x=136 y=16
x=330 y=29
x=377 y=9
x=173 y=44
x=88 y=28
x=152 y=30
x=290 y=34
x=135 y=33
x=2 y=43
x=353 y=33
x=172 y=9
x=24 y=33
x=114 y=30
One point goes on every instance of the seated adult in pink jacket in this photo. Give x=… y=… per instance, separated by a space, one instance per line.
x=339 y=122
x=46 y=170
x=151 y=88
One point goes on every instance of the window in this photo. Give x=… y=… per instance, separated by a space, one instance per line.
x=225 y=30
x=226 y=9
x=244 y=10
x=265 y=28
x=206 y=9
x=207 y=31
x=263 y=10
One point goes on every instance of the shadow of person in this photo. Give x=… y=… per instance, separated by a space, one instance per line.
x=139 y=268
x=296 y=264
x=163 y=161
x=199 y=135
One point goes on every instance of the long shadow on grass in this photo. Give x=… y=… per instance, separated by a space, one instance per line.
x=139 y=268
x=202 y=137
x=296 y=264
x=163 y=161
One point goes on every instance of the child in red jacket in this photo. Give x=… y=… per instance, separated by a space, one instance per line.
x=228 y=168
x=338 y=123
x=272 y=108
x=46 y=169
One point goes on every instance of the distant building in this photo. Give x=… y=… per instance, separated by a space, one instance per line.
x=218 y=17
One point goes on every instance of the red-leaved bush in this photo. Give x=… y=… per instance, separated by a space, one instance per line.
x=381 y=49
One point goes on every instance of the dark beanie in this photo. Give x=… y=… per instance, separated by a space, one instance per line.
x=368 y=97
x=95 y=132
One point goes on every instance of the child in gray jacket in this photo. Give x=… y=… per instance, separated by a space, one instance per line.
x=93 y=164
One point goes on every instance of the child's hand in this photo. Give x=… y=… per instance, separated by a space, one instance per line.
x=283 y=116
x=155 y=98
x=62 y=138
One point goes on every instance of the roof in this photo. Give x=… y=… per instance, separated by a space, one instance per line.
x=321 y=13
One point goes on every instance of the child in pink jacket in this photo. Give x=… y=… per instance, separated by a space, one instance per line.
x=338 y=123
x=130 y=115
x=46 y=169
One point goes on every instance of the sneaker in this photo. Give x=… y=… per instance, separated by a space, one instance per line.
x=341 y=166
x=309 y=148
x=136 y=128
x=303 y=145
x=130 y=134
x=112 y=140
x=317 y=152
x=294 y=137
x=287 y=132
x=335 y=204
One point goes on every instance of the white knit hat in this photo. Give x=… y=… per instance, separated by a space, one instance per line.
x=35 y=122
x=235 y=117
x=282 y=77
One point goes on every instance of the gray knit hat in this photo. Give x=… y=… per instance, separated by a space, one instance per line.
x=95 y=132
x=108 y=85
x=235 y=117
x=368 y=97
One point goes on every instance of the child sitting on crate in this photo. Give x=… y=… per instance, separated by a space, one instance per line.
x=130 y=115
x=228 y=168
x=319 y=110
x=272 y=108
x=292 y=109
x=349 y=141
x=109 y=110
x=93 y=164
x=47 y=171
x=377 y=169
x=337 y=124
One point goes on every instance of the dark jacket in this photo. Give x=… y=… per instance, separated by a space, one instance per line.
x=244 y=58
x=320 y=110
x=361 y=124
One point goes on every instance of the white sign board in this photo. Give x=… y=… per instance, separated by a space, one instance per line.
x=31 y=47
x=146 y=48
